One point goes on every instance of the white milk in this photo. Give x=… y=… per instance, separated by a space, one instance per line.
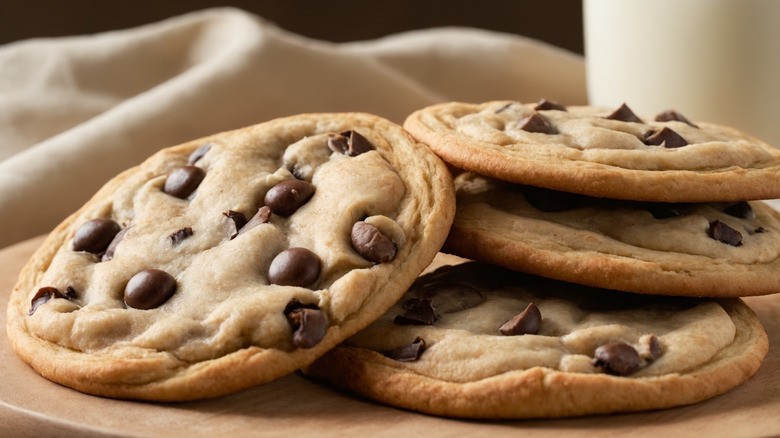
x=711 y=60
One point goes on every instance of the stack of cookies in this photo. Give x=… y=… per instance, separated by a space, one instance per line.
x=609 y=200
x=607 y=254
x=635 y=237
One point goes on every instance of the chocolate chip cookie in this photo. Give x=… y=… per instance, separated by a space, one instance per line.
x=611 y=153
x=724 y=249
x=232 y=260
x=477 y=341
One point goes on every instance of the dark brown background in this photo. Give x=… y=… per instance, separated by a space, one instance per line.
x=558 y=22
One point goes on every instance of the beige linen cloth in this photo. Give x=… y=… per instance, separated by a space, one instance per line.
x=76 y=111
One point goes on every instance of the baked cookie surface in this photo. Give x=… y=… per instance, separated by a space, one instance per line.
x=232 y=260
x=601 y=152
x=728 y=249
x=477 y=341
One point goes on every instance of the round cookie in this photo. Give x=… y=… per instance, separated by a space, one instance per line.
x=698 y=249
x=478 y=341
x=601 y=152
x=232 y=260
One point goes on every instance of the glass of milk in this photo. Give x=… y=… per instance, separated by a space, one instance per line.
x=711 y=60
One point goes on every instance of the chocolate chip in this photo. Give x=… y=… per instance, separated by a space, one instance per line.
x=41 y=297
x=742 y=210
x=759 y=230
x=111 y=250
x=536 y=123
x=182 y=181
x=526 y=322
x=294 y=267
x=617 y=358
x=624 y=114
x=665 y=136
x=263 y=216
x=662 y=210
x=407 y=353
x=199 y=153
x=453 y=297
x=418 y=312
x=46 y=293
x=95 y=235
x=70 y=293
x=650 y=348
x=672 y=115
x=549 y=201
x=287 y=196
x=503 y=108
x=309 y=323
x=149 y=288
x=724 y=233
x=370 y=243
x=349 y=143
x=546 y=105
x=180 y=235
x=237 y=219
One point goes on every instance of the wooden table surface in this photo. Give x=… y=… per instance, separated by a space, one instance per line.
x=294 y=406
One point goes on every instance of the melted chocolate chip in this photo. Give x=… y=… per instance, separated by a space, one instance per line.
x=617 y=358
x=650 y=349
x=70 y=293
x=371 y=244
x=742 y=210
x=263 y=216
x=546 y=105
x=183 y=181
x=294 y=267
x=526 y=322
x=180 y=235
x=418 y=312
x=309 y=323
x=237 y=220
x=199 y=153
x=349 y=143
x=287 y=196
x=624 y=114
x=536 y=123
x=549 y=201
x=672 y=115
x=665 y=136
x=503 y=108
x=45 y=294
x=759 y=230
x=41 y=297
x=111 y=250
x=149 y=288
x=407 y=353
x=95 y=236
x=724 y=233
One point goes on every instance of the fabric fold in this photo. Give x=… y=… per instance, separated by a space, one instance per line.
x=76 y=111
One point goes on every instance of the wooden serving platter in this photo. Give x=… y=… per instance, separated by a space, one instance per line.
x=31 y=406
